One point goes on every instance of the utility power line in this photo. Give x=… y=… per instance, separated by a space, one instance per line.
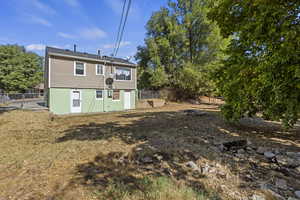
x=123 y=28
x=120 y=25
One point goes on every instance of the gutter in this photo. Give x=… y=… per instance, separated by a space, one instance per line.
x=92 y=59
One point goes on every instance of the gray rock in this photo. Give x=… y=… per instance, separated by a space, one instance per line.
x=281 y=183
x=241 y=151
x=193 y=166
x=147 y=160
x=297 y=169
x=287 y=161
x=297 y=193
x=221 y=147
x=292 y=198
x=261 y=150
x=269 y=154
x=293 y=154
x=258 y=197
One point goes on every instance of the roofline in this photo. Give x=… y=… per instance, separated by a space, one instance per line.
x=91 y=59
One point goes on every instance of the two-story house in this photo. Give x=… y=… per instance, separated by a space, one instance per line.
x=78 y=82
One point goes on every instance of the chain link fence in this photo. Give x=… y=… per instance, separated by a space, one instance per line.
x=21 y=101
x=149 y=94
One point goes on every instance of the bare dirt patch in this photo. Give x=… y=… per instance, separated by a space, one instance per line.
x=81 y=157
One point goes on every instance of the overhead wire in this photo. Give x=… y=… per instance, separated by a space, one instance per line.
x=120 y=26
x=123 y=28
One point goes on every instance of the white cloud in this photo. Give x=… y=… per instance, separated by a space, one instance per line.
x=117 y=7
x=40 y=20
x=122 y=44
x=73 y=3
x=66 y=35
x=35 y=47
x=43 y=7
x=92 y=33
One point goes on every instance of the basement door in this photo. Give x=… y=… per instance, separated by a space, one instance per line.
x=75 y=101
x=127 y=104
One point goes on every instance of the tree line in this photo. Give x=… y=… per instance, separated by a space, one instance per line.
x=248 y=52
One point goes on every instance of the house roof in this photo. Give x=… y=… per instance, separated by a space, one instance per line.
x=87 y=56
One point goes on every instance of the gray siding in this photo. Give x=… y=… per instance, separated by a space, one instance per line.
x=62 y=75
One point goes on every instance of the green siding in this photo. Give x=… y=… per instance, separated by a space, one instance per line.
x=60 y=101
x=89 y=101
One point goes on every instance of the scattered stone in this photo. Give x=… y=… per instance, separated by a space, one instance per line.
x=291 y=198
x=241 y=151
x=235 y=145
x=297 y=169
x=293 y=154
x=147 y=160
x=297 y=193
x=276 y=151
x=221 y=147
x=195 y=112
x=249 y=149
x=287 y=161
x=269 y=155
x=193 y=165
x=281 y=183
x=261 y=150
x=258 y=197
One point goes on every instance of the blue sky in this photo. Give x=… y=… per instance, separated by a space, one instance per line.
x=91 y=24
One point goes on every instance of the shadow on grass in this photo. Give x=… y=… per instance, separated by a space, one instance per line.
x=169 y=140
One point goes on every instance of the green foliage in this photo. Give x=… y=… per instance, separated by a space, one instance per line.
x=180 y=36
x=261 y=73
x=19 y=70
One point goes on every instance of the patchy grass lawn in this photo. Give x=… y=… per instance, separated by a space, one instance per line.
x=111 y=155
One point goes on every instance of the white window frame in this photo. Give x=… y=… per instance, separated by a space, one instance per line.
x=113 y=91
x=84 y=68
x=123 y=68
x=103 y=69
x=96 y=94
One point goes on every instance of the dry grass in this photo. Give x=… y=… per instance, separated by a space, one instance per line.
x=74 y=157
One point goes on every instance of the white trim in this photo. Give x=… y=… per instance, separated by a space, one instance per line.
x=77 y=57
x=49 y=71
x=84 y=68
x=96 y=95
x=103 y=70
x=135 y=72
x=71 y=100
x=124 y=99
x=124 y=80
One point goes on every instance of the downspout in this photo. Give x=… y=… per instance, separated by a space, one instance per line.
x=104 y=95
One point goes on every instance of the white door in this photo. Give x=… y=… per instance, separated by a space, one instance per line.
x=127 y=100
x=75 y=101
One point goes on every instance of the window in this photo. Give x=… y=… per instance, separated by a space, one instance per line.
x=109 y=94
x=123 y=74
x=99 y=94
x=116 y=95
x=99 y=69
x=79 y=69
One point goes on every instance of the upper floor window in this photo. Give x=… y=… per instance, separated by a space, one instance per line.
x=79 y=69
x=123 y=74
x=99 y=69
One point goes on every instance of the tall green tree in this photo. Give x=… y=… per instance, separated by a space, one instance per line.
x=262 y=72
x=180 y=36
x=19 y=70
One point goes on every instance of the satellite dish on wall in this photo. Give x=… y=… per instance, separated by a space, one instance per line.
x=109 y=81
